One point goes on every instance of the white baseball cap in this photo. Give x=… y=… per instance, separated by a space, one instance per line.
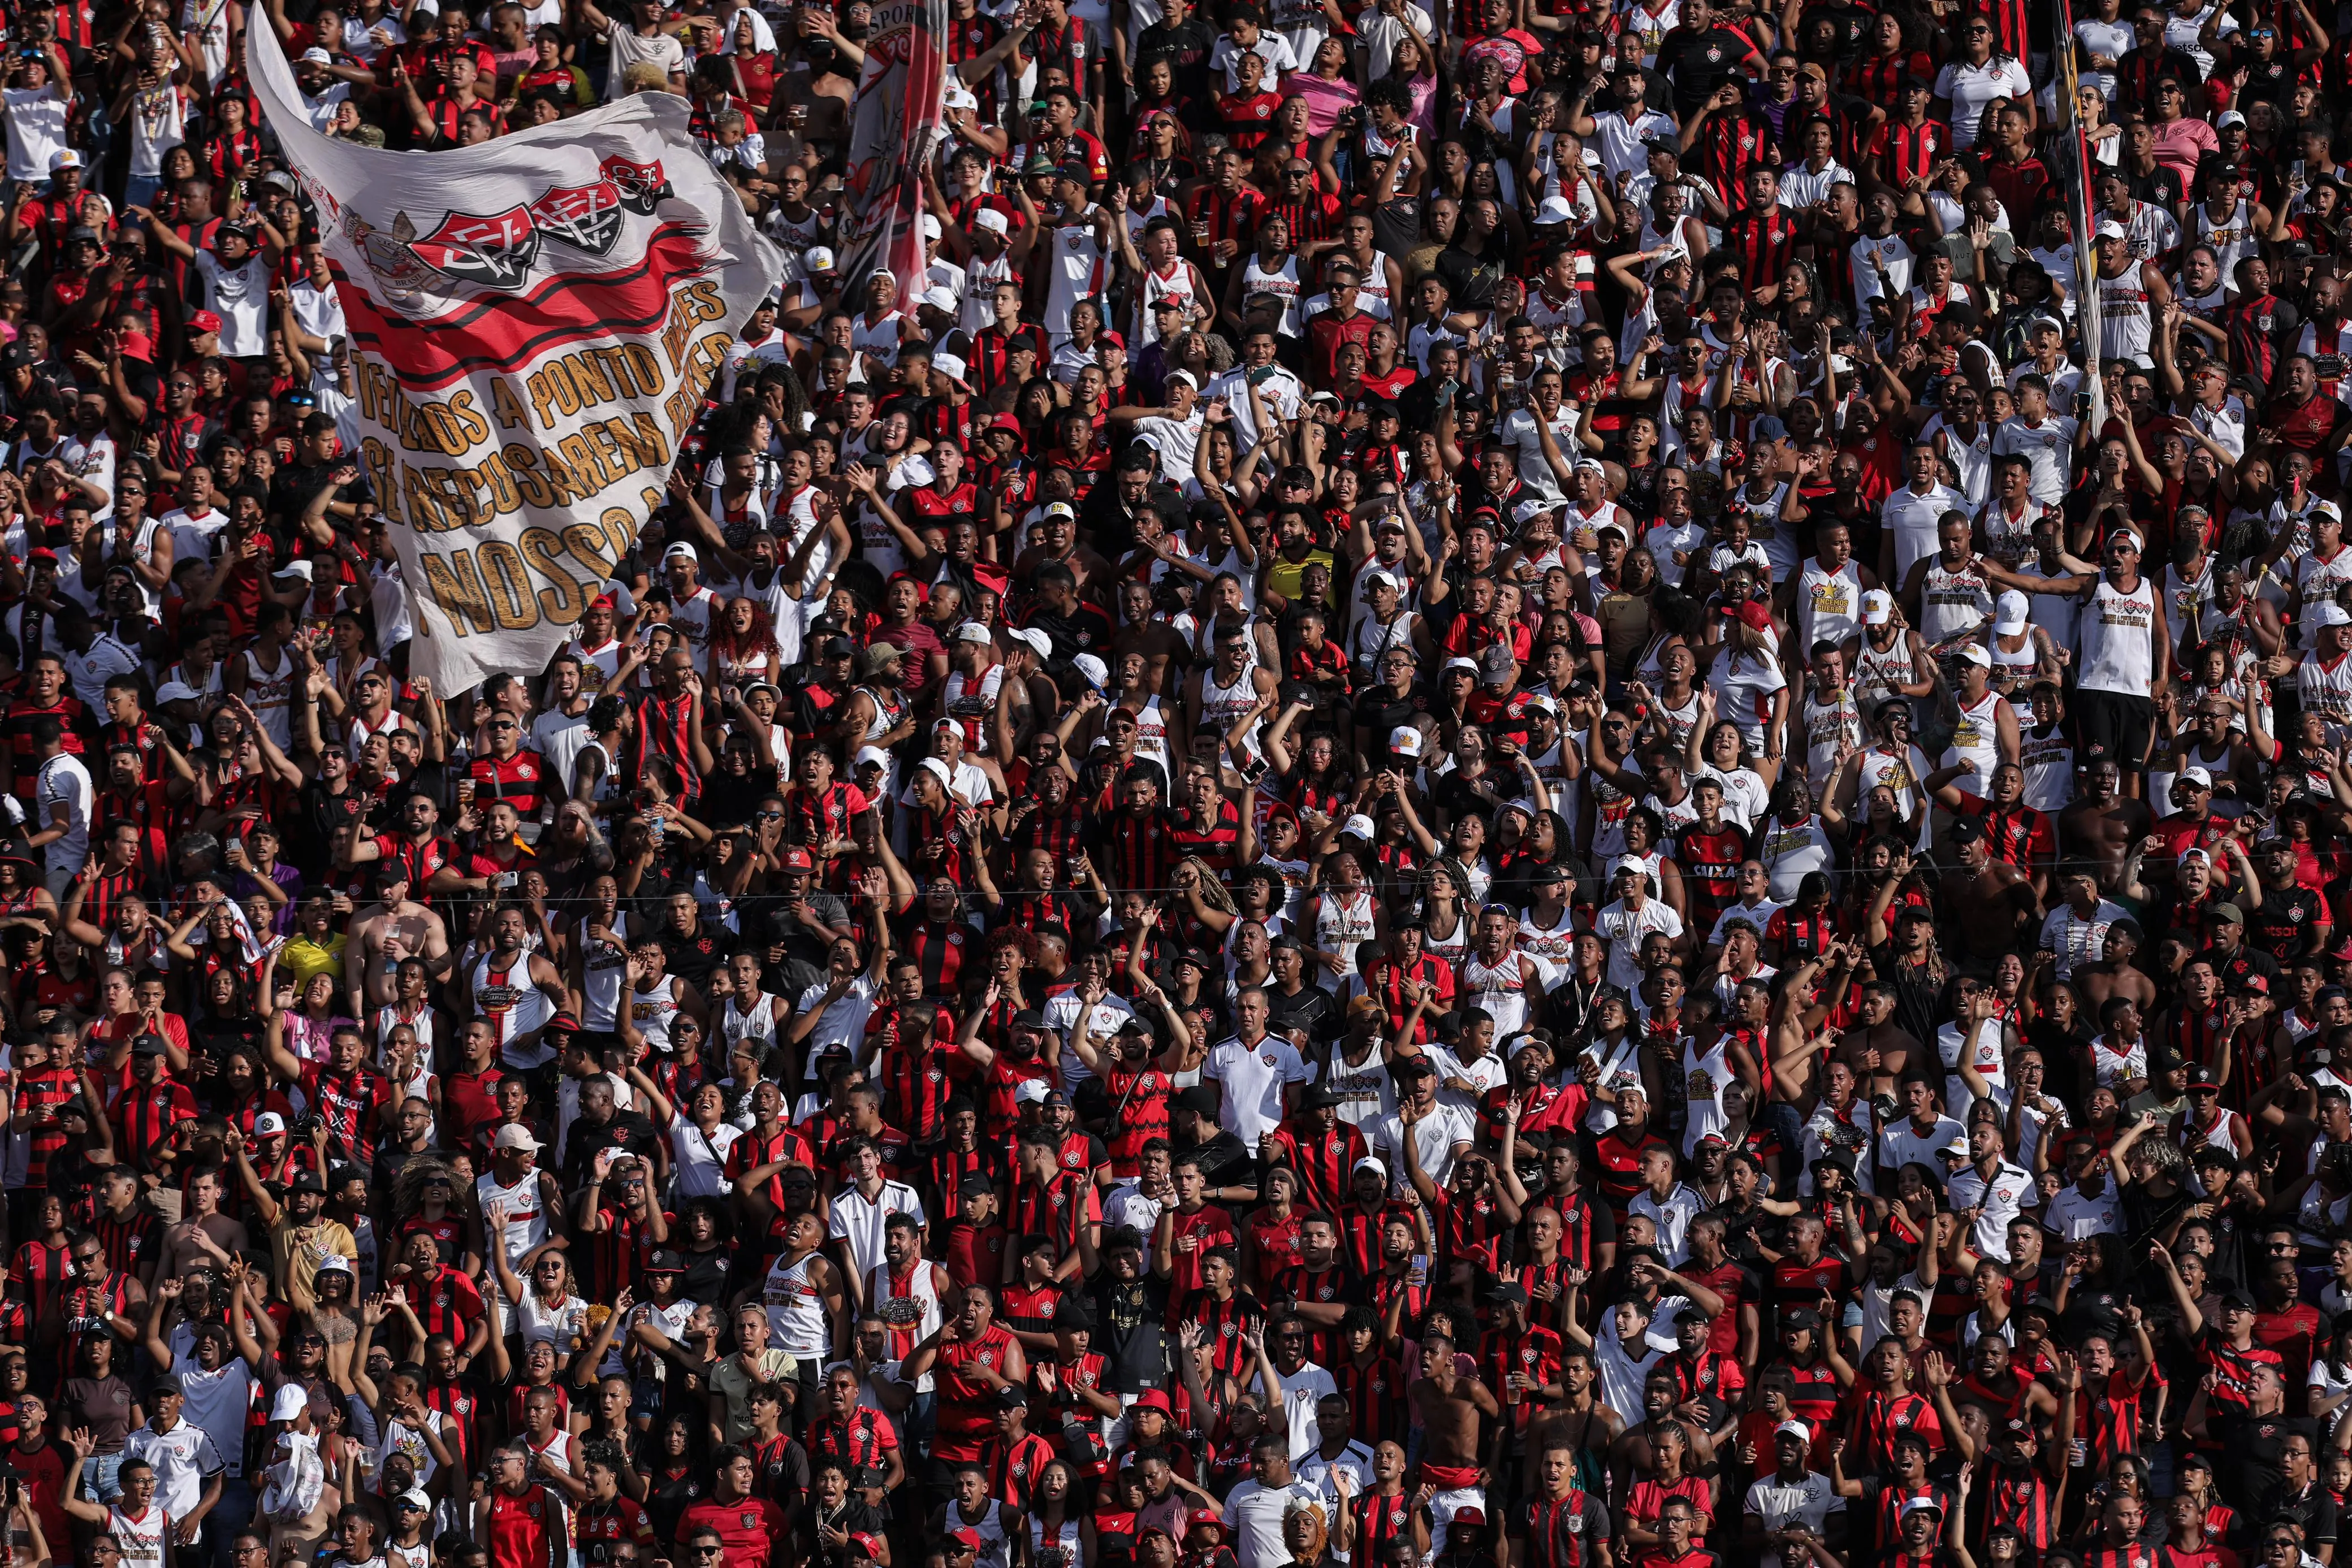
x=991 y=220
x=1030 y=1091
x=67 y=158
x=817 y=258
x=680 y=551
x=1097 y=673
x=873 y=755
x=268 y=1121
x=940 y=296
x=2009 y=615
x=971 y=632
x=1976 y=654
x=1359 y=827
x=1037 y=641
x=1186 y=377
x=2330 y=614
x=1624 y=863
x=937 y=769
x=1369 y=1164
x=1405 y=740
x=1555 y=210
x=2113 y=230
x=2197 y=776
x=1796 y=1430
x=950 y=365
x=930 y=226
x=1877 y=607
x=291 y=1401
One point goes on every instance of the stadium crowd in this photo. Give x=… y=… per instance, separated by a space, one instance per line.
x=1495 y=793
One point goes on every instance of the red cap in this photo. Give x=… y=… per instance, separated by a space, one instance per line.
x=860 y=1540
x=1114 y=340
x=1207 y=1518
x=1153 y=1400
x=1469 y=1516
x=1755 y=615
x=137 y=346
x=1005 y=422
x=204 y=321
x=602 y=602
x=45 y=553
x=798 y=858
x=966 y=1538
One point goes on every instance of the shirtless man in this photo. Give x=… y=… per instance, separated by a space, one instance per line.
x=1449 y=1399
x=2103 y=826
x=204 y=1238
x=1578 y=1423
x=1988 y=903
x=1879 y=1050
x=387 y=931
x=2115 y=975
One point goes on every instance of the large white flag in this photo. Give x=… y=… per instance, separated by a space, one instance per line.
x=532 y=323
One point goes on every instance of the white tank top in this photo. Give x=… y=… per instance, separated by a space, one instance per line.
x=1790 y=854
x=1827 y=723
x=2118 y=644
x=1976 y=740
x=506 y=996
x=652 y=1011
x=1829 y=605
x=1176 y=286
x=422 y=1024
x=1220 y=705
x=1151 y=732
x=1550 y=943
x=270 y=695
x=142 y=1539
x=2049 y=764
x=910 y=1305
x=1498 y=988
x=989 y=1527
x=797 y=1314
x=2123 y=315
x=2327 y=689
x=604 y=971
x=1282 y=283
x=1340 y=927
x=1620 y=1068
x=2012 y=668
x=1953 y=603
x=526 y=1215
x=2232 y=239
x=1372 y=296
x=1878 y=672
x=1373 y=640
x=1452 y=948
x=1703 y=1081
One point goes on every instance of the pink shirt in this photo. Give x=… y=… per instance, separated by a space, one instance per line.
x=2178 y=145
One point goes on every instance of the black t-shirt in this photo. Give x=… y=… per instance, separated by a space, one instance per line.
x=2249 y=1475
x=1311 y=1010
x=1130 y=1331
x=2282 y=925
x=694 y=957
x=1185 y=46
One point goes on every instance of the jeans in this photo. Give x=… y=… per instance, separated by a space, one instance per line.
x=230 y=1515
x=98 y=1475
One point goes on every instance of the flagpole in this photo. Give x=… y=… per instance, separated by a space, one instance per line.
x=2076 y=168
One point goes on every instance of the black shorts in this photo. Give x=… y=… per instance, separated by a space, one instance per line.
x=2119 y=722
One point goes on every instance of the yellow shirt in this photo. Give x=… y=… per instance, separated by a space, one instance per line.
x=302 y=958
x=1283 y=576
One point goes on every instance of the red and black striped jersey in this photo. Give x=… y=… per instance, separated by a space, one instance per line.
x=1376 y=1397
x=129 y=1241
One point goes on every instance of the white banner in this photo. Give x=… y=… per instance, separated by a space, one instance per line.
x=533 y=323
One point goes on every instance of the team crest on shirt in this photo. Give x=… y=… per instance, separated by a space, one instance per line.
x=1268 y=1058
x=751 y=1520
x=1380 y=1385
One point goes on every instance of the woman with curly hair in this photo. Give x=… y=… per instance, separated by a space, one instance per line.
x=743 y=647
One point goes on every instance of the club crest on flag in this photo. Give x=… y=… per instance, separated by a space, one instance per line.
x=586 y=218
x=640 y=185
x=495 y=250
